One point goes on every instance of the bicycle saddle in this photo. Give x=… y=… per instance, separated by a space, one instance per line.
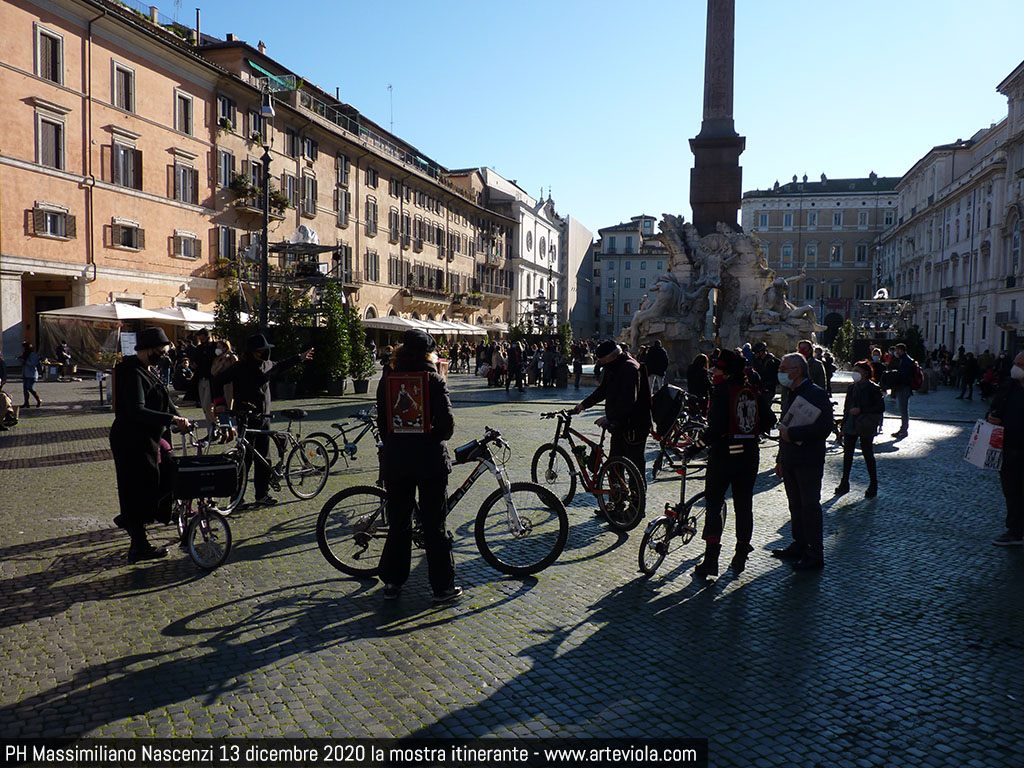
x=294 y=414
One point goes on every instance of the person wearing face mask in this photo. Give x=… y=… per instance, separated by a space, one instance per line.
x=862 y=417
x=143 y=414
x=250 y=380
x=735 y=423
x=801 y=464
x=1008 y=411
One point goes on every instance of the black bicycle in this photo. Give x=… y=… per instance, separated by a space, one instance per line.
x=520 y=529
x=679 y=523
x=349 y=434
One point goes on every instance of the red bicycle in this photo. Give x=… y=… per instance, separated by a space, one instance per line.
x=680 y=436
x=619 y=486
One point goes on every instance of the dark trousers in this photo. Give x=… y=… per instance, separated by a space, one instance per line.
x=740 y=471
x=260 y=445
x=967 y=385
x=803 y=489
x=634 y=451
x=1012 y=478
x=433 y=509
x=867 y=449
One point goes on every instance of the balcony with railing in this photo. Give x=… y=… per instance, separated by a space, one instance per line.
x=1007 y=320
x=492 y=289
x=467 y=300
x=253 y=204
x=949 y=292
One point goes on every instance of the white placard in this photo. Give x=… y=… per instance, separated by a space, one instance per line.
x=985 y=446
x=128 y=343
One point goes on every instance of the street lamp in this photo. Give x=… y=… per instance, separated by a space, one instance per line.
x=615 y=307
x=266 y=113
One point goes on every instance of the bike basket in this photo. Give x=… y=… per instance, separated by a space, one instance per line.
x=466 y=453
x=205 y=476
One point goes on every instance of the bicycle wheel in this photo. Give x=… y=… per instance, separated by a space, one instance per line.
x=654 y=545
x=209 y=539
x=696 y=510
x=307 y=468
x=622 y=492
x=533 y=544
x=351 y=530
x=553 y=469
x=329 y=443
x=228 y=504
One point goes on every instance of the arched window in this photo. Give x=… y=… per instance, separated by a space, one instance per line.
x=371 y=313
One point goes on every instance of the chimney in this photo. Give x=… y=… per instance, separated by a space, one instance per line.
x=153 y=13
x=262 y=47
x=231 y=37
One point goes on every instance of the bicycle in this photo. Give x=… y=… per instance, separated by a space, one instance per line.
x=680 y=436
x=305 y=471
x=619 y=486
x=368 y=419
x=520 y=529
x=680 y=521
x=202 y=530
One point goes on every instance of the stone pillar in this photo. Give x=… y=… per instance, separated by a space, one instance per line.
x=10 y=316
x=716 y=181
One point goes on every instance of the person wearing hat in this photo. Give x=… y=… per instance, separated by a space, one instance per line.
x=143 y=416
x=767 y=366
x=735 y=423
x=250 y=379
x=627 y=404
x=415 y=461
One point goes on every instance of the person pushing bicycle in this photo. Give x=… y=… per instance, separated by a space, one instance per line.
x=251 y=379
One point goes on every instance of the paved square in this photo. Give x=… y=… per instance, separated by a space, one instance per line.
x=907 y=650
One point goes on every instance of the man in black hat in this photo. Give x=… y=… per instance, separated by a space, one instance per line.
x=251 y=379
x=627 y=404
x=767 y=366
x=143 y=415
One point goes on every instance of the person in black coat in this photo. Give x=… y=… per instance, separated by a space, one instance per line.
x=657 y=365
x=862 y=416
x=250 y=378
x=143 y=415
x=801 y=463
x=415 y=461
x=1008 y=411
x=698 y=382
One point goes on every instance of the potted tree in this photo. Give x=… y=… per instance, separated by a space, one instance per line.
x=361 y=361
x=288 y=341
x=333 y=354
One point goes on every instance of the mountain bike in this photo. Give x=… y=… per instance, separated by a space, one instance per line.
x=304 y=472
x=680 y=436
x=619 y=486
x=202 y=530
x=679 y=523
x=520 y=529
x=365 y=422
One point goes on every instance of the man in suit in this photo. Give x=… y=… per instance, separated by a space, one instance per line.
x=801 y=464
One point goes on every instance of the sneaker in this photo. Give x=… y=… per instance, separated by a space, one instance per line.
x=1008 y=540
x=392 y=591
x=448 y=595
x=145 y=552
x=899 y=435
x=265 y=501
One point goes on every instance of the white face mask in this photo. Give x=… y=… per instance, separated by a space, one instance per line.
x=218 y=351
x=785 y=380
x=856 y=377
x=1017 y=372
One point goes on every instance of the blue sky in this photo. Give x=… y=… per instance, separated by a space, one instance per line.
x=597 y=99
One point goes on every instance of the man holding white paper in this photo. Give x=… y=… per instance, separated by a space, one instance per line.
x=1008 y=411
x=805 y=425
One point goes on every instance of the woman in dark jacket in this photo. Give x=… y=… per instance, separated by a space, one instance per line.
x=414 y=415
x=862 y=416
x=143 y=414
x=698 y=381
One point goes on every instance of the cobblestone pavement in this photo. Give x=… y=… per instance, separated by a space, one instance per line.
x=907 y=650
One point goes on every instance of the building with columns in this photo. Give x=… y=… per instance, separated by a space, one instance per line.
x=826 y=231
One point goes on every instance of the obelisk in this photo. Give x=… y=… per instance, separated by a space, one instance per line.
x=716 y=181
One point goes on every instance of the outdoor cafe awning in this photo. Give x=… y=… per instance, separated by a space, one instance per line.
x=434 y=327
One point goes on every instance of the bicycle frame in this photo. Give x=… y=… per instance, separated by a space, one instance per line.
x=564 y=431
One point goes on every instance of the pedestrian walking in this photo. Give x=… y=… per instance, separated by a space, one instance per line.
x=143 y=416
x=416 y=463
x=968 y=375
x=902 y=377
x=767 y=366
x=578 y=353
x=698 y=382
x=1008 y=411
x=657 y=365
x=863 y=412
x=801 y=461
x=30 y=368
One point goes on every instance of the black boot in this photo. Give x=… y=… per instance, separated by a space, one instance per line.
x=872 y=490
x=709 y=565
x=739 y=560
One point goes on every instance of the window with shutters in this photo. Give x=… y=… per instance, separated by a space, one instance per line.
x=50 y=142
x=182 y=112
x=371 y=216
x=186 y=184
x=393 y=187
x=341 y=166
x=406 y=228
x=255 y=172
x=52 y=221
x=123 y=87
x=225 y=167
x=227 y=239
x=290 y=187
x=49 y=55
x=371 y=178
x=308 y=195
x=837 y=219
x=292 y=145
x=371 y=267
x=257 y=127
x=836 y=253
x=393 y=225
x=187 y=245
x=343 y=205
x=310 y=149
x=126 y=166
x=127 y=234
x=227 y=113
x=862 y=254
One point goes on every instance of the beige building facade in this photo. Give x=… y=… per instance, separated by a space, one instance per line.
x=824 y=234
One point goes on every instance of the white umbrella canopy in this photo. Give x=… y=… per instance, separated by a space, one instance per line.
x=116 y=311
x=390 y=323
x=191 y=319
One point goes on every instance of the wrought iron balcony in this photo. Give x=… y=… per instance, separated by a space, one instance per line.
x=1007 y=320
x=495 y=290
